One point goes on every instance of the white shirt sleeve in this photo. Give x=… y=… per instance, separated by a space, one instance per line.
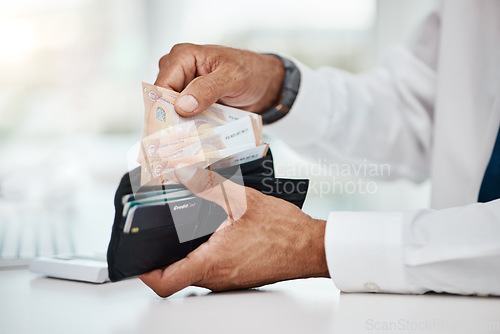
x=386 y=116
x=383 y=116
x=453 y=250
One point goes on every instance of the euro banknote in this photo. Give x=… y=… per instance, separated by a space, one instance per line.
x=160 y=113
x=160 y=172
x=220 y=134
x=165 y=144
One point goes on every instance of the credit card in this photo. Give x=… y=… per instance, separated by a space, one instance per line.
x=163 y=198
x=143 y=195
x=174 y=213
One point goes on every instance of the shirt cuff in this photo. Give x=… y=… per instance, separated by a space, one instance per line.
x=364 y=251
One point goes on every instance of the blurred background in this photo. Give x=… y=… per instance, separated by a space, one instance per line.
x=71 y=102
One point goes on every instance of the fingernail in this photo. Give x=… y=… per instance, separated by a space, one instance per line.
x=187 y=103
x=185 y=172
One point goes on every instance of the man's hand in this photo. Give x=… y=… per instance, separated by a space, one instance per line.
x=205 y=74
x=270 y=240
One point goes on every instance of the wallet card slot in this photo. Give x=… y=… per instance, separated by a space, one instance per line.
x=178 y=212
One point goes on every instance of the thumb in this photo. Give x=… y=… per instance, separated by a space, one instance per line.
x=201 y=93
x=213 y=187
x=177 y=276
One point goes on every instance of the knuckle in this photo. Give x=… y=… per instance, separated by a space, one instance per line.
x=177 y=53
x=163 y=60
x=182 y=47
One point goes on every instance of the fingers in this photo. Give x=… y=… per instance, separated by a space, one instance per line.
x=202 y=92
x=177 y=276
x=213 y=187
x=178 y=70
x=202 y=74
x=173 y=77
x=178 y=67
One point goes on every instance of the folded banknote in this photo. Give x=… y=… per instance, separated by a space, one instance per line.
x=220 y=133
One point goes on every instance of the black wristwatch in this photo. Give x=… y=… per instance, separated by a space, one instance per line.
x=289 y=92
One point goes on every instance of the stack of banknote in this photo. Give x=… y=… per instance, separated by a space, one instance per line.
x=220 y=135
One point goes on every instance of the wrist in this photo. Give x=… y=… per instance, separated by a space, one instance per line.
x=275 y=75
x=320 y=266
x=310 y=250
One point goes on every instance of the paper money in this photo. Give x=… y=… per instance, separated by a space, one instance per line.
x=163 y=171
x=166 y=144
x=220 y=133
x=160 y=113
x=242 y=157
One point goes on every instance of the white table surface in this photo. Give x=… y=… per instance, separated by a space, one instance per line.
x=30 y=303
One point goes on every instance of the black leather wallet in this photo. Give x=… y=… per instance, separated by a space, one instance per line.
x=159 y=245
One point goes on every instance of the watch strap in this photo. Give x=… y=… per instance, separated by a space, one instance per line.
x=289 y=91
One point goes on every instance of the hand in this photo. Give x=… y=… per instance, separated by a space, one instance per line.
x=205 y=74
x=270 y=240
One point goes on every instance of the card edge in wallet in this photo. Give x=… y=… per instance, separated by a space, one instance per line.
x=129 y=222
